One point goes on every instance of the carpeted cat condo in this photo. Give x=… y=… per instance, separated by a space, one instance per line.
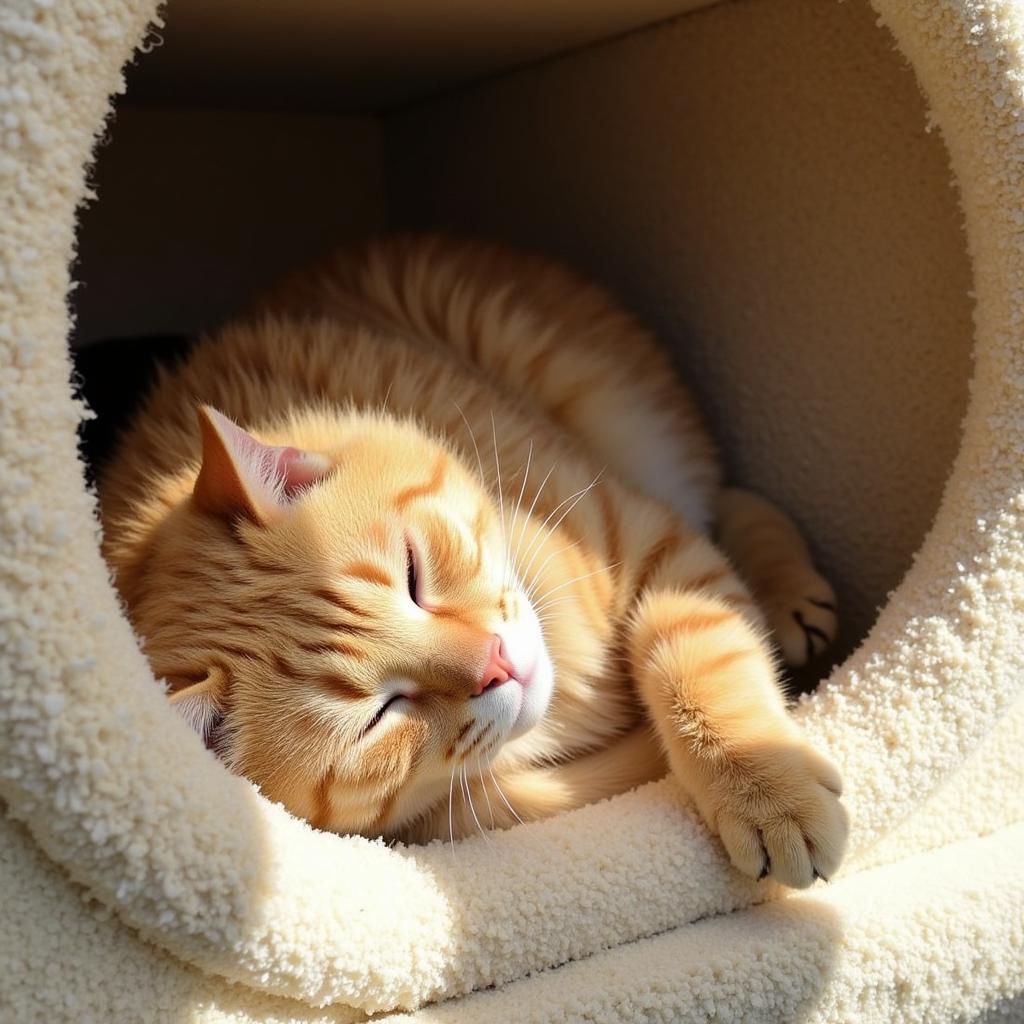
x=810 y=201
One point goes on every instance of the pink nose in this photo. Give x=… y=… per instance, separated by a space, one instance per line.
x=497 y=671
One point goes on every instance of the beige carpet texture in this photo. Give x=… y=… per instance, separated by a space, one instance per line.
x=819 y=205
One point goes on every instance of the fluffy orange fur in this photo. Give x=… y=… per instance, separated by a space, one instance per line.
x=456 y=568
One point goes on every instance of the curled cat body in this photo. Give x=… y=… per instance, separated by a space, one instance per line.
x=422 y=545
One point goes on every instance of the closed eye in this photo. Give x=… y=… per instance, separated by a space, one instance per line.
x=382 y=711
x=411 y=573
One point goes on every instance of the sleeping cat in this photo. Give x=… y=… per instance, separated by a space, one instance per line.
x=421 y=546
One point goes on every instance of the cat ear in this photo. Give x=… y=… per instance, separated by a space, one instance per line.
x=243 y=476
x=202 y=704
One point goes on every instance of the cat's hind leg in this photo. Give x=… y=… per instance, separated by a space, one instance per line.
x=766 y=548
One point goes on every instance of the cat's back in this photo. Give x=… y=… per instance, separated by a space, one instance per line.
x=500 y=309
x=423 y=325
x=263 y=372
x=539 y=333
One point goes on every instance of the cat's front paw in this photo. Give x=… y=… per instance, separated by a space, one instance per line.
x=777 y=812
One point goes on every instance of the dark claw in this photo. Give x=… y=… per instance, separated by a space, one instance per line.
x=810 y=634
x=817 y=874
x=798 y=616
x=820 y=634
x=766 y=868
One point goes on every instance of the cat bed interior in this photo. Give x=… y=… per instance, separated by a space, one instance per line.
x=763 y=181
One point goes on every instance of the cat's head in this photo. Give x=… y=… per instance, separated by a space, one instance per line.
x=340 y=621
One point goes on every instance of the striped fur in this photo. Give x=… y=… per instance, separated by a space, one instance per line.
x=466 y=398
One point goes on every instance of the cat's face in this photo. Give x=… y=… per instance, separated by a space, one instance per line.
x=360 y=636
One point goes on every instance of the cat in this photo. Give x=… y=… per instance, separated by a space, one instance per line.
x=421 y=545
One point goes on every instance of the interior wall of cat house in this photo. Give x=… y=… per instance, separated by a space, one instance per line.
x=757 y=180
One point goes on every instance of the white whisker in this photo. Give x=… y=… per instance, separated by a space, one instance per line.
x=539 y=574
x=541 y=536
x=472 y=809
x=549 y=624
x=568 y=583
x=515 y=512
x=503 y=797
x=476 y=447
x=451 y=828
x=483 y=786
x=548 y=612
x=565 y=599
x=529 y=515
x=576 y=498
x=497 y=470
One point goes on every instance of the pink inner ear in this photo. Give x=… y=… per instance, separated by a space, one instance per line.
x=297 y=469
x=281 y=465
x=240 y=473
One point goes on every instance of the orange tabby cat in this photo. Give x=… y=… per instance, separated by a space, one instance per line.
x=388 y=580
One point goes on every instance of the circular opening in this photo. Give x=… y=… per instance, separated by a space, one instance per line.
x=817 y=302
x=803 y=262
